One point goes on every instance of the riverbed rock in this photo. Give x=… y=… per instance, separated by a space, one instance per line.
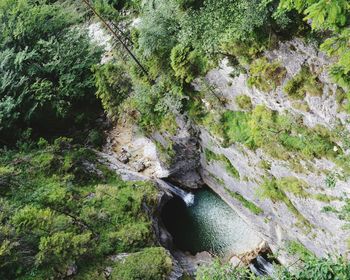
x=235 y=261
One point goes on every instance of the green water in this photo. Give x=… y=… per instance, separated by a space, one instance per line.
x=208 y=225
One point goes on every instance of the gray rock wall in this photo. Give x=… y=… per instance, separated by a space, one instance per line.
x=277 y=225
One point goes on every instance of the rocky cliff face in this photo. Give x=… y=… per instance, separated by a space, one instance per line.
x=301 y=215
x=326 y=233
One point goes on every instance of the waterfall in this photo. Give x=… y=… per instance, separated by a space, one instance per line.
x=187 y=197
x=255 y=270
x=266 y=266
x=262 y=267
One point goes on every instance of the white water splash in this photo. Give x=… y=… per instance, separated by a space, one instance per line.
x=189 y=199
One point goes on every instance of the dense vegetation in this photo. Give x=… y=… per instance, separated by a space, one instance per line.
x=312 y=269
x=63 y=213
x=46 y=84
x=61 y=208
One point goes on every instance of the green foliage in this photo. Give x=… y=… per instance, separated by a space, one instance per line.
x=155 y=106
x=157 y=35
x=148 y=264
x=345 y=212
x=296 y=248
x=324 y=14
x=264 y=164
x=65 y=209
x=313 y=268
x=330 y=180
x=325 y=268
x=235 y=127
x=187 y=4
x=277 y=134
x=46 y=81
x=293 y=185
x=244 y=102
x=301 y=105
x=275 y=190
x=112 y=9
x=265 y=75
x=187 y=63
x=302 y=83
x=217 y=271
x=338 y=46
x=229 y=22
x=246 y=203
x=113 y=86
x=269 y=128
x=331 y=16
x=270 y=190
x=210 y=156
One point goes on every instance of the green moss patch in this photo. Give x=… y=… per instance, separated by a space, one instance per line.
x=246 y=203
x=275 y=190
x=266 y=76
x=296 y=248
x=244 y=102
x=210 y=156
x=303 y=83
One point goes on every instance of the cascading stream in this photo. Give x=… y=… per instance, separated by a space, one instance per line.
x=187 y=197
x=260 y=267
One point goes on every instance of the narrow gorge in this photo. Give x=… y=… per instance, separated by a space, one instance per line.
x=175 y=139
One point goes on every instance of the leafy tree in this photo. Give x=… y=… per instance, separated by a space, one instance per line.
x=230 y=22
x=45 y=73
x=68 y=210
x=187 y=63
x=158 y=35
x=113 y=86
x=324 y=14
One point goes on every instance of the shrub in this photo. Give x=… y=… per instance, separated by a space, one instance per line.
x=274 y=189
x=302 y=83
x=330 y=180
x=67 y=208
x=301 y=105
x=265 y=75
x=113 y=86
x=278 y=134
x=218 y=271
x=148 y=264
x=296 y=248
x=293 y=185
x=311 y=268
x=187 y=63
x=244 y=102
x=45 y=68
x=235 y=126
